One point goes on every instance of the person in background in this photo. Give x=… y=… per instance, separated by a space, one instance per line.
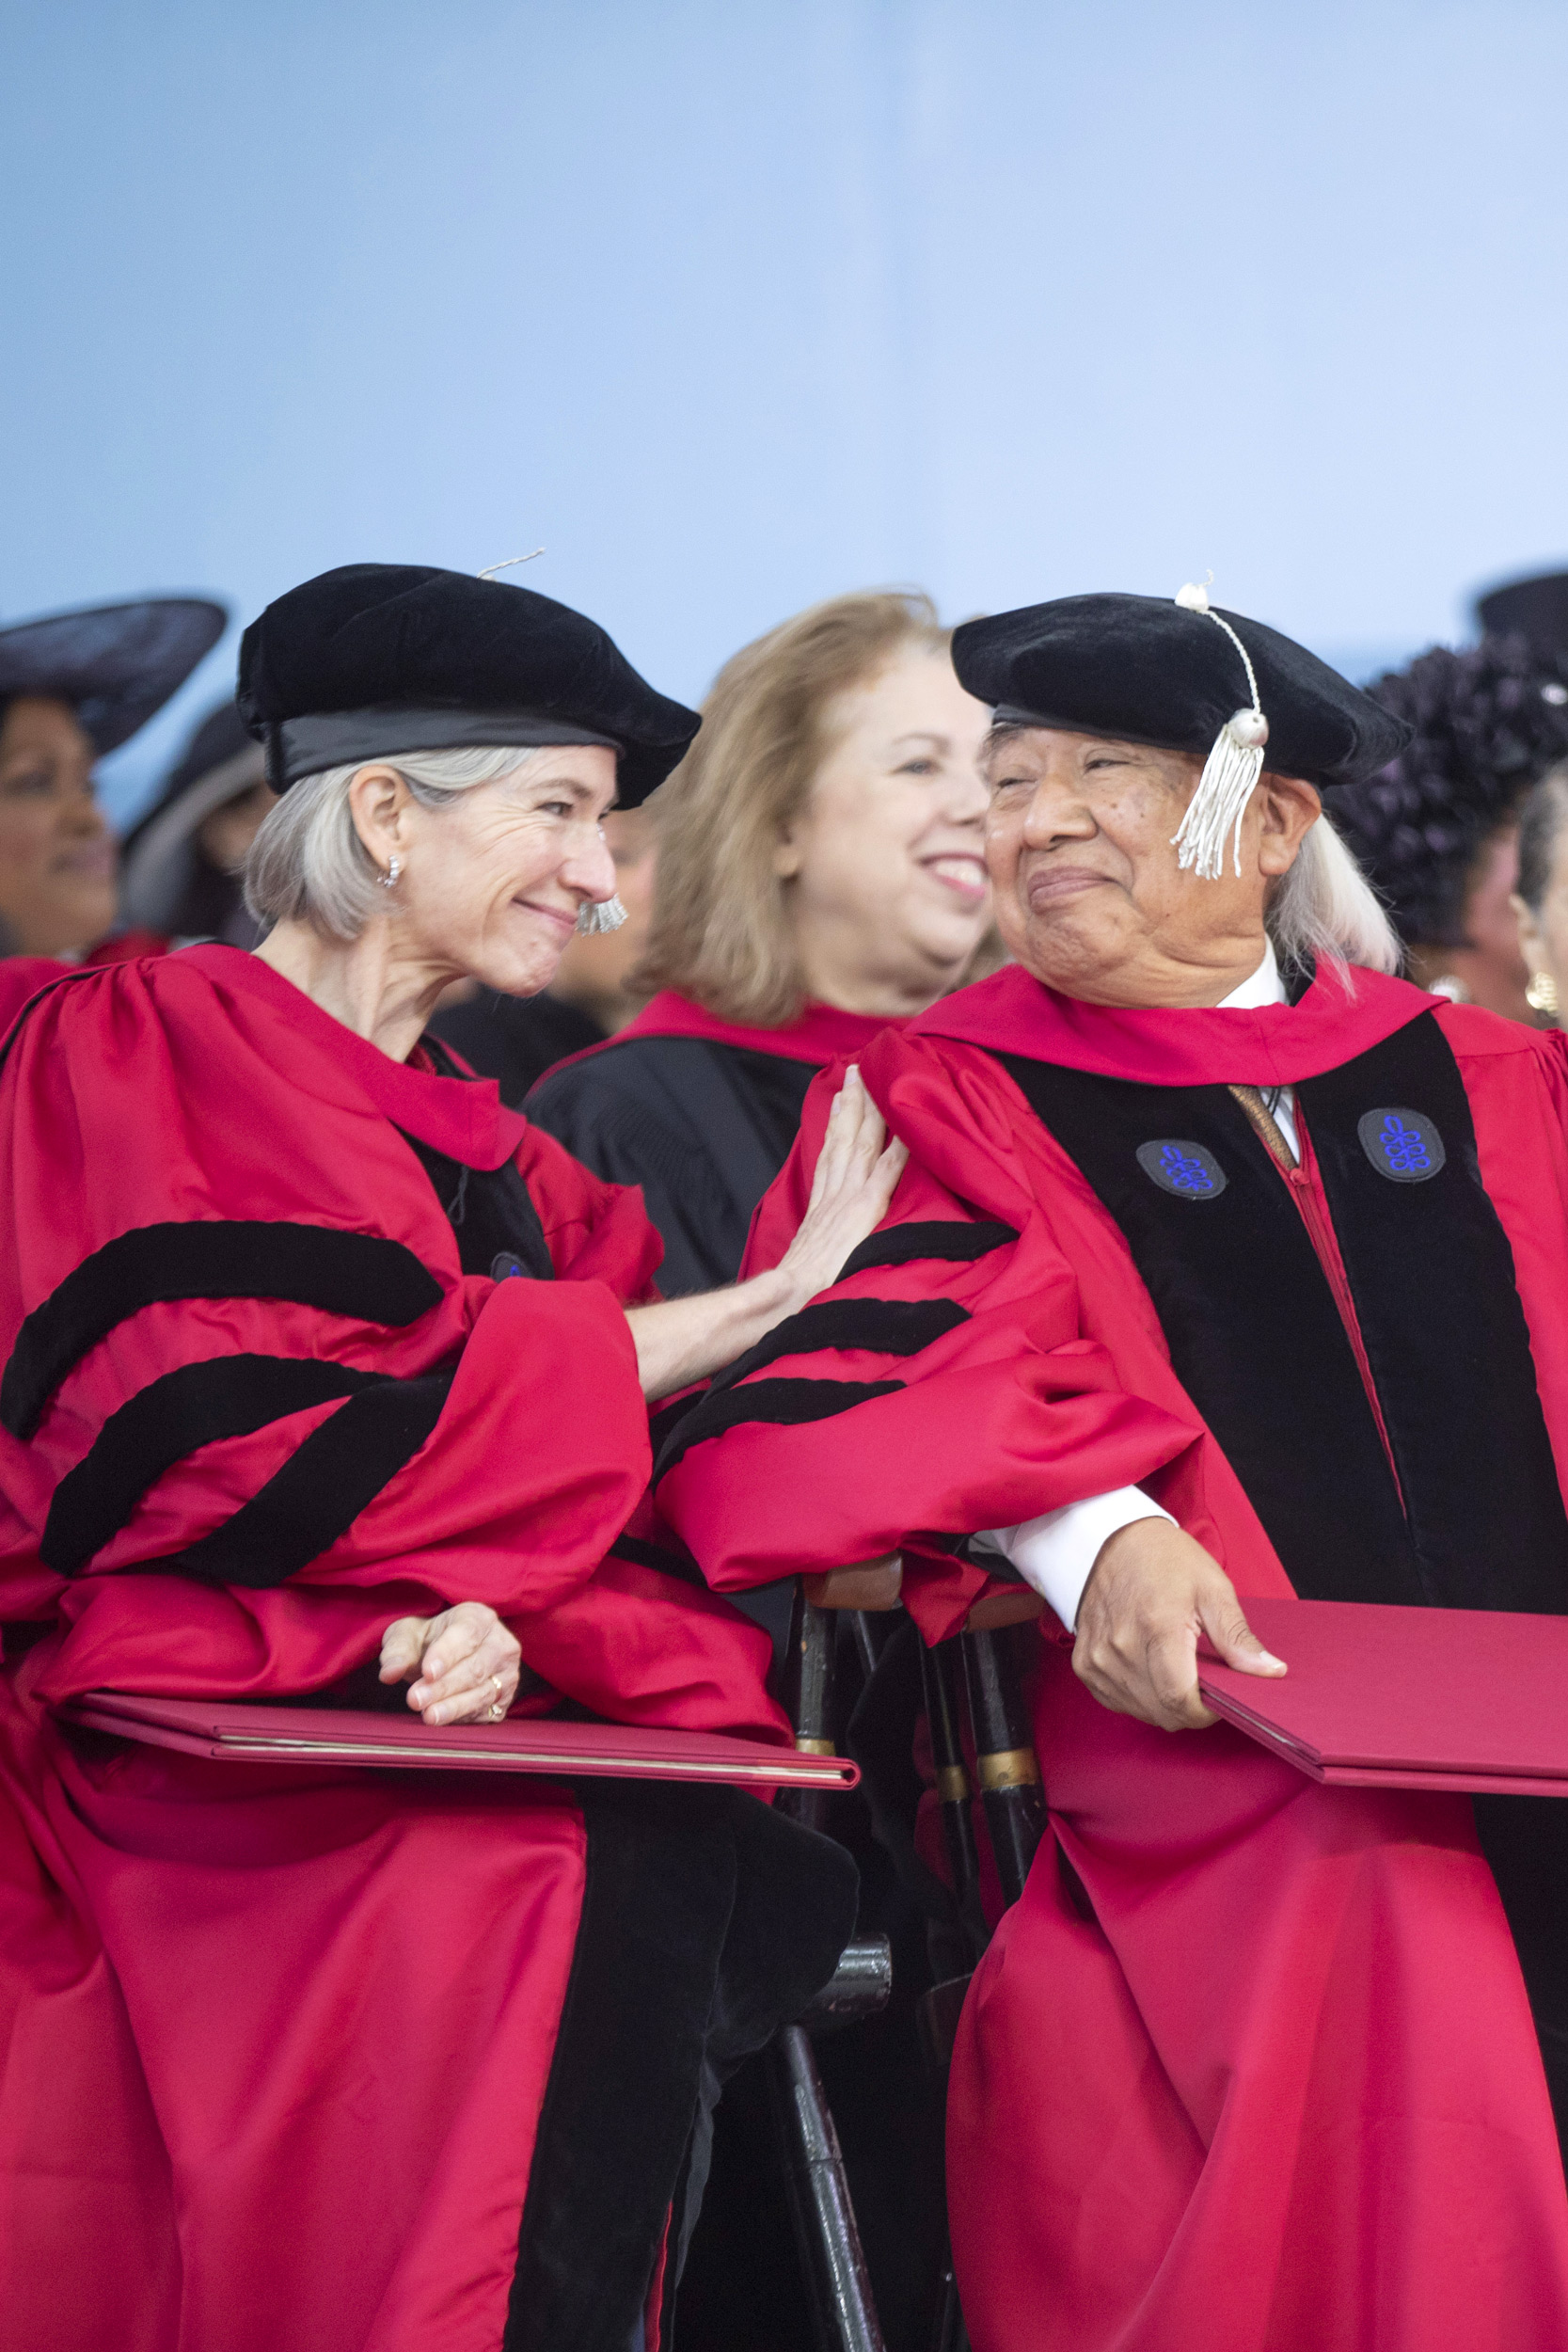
x=73 y=686
x=1541 y=902
x=819 y=876
x=183 y=861
x=515 y=1039
x=1436 y=831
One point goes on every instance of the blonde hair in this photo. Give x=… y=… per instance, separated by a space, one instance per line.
x=722 y=930
x=307 y=863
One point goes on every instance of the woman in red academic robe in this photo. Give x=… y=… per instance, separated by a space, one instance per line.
x=818 y=876
x=326 y=1375
x=1194 y=1291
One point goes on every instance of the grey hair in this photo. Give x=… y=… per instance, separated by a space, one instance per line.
x=307 y=863
x=1326 y=910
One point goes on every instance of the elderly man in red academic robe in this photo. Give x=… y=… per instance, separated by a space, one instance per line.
x=1227 y=1263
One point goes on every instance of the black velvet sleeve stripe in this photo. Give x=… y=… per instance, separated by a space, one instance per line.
x=321 y=1489
x=887 y=1327
x=935 y=1237
x=791 y=1402
x=363 y=1275
x=668 y=1417
x=226 y=1397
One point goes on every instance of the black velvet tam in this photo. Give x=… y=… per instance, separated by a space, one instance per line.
x=376 y=658
x=115 y=664
x=1147 y=670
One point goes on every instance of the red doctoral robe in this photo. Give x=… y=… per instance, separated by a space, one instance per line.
x=281 y=2044
x=1278 y=2085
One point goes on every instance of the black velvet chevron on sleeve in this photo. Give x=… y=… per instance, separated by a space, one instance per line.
x=321 y=1489
x=926 y=1237
x=364 y=1275
x=226 y=1396
x=790 y=1402
x=885 y=1326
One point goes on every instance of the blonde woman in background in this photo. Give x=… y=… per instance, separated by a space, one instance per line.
x=819 y=878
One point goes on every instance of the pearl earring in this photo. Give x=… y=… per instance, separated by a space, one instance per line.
x=1541 y=994
x=389 y=878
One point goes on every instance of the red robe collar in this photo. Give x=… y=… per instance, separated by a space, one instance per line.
x=464 y=1118
x=1267 y=1045
x=821 y=1034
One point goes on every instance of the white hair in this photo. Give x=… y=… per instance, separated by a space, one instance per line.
x=307 y=863
x=1325 y=910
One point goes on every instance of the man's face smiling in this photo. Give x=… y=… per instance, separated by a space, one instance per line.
x=1089 y=896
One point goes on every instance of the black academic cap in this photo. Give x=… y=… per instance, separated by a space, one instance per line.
x=1536 y=610
x=1150 y=670
x=115 y=664
x=376 y=658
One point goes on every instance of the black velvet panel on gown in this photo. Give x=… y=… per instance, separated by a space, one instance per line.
x=703 y=1127
x=1467 y=1513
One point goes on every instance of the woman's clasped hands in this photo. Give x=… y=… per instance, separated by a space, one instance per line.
x=464 y=1665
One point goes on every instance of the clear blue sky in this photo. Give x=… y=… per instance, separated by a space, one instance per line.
x=736 y=303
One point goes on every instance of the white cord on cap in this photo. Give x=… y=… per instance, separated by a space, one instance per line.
x=511 y=562
x=1231 y=770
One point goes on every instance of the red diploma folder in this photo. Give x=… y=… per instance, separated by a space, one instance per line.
x=1405 y=1699
x=314 y=1735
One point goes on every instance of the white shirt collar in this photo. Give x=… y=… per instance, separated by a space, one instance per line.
x=1264 y=987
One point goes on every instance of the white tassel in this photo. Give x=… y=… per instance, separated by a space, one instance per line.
x=601 y=914
x=1230 y=772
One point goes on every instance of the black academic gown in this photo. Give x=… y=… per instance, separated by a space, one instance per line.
x=700 y=1112
x=515 y=1040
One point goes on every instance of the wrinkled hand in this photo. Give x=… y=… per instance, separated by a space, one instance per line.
x=464 y=1662
x=857 y=1174
x=1151 y=1592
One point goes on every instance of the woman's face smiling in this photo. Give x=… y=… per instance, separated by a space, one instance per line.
x=889 y=897
x=57 y=862
x=489 y=886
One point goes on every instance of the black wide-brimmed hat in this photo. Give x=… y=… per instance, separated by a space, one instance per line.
x=115 y=664
x=376 y=658
x=159 y=857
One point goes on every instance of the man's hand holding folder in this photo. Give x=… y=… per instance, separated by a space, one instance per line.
x=1152 y=1595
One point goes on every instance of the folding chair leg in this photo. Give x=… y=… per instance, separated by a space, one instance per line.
x=809 y=1700
x=949 y=2334
x=938 y=1668
x=1004 y=1756
x=825 y=2228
